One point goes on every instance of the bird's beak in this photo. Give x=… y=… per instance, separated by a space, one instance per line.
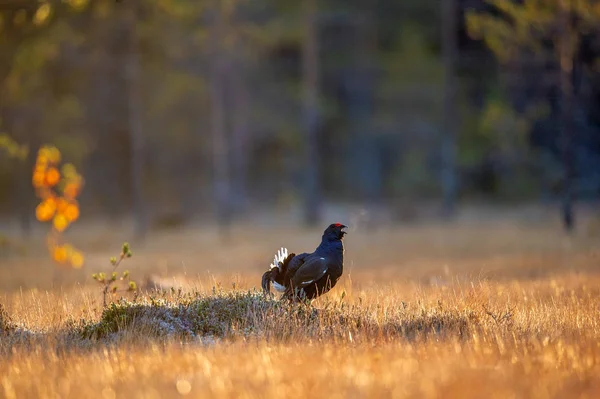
x=343 y=231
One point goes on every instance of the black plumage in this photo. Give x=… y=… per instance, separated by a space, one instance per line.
x=308 y=275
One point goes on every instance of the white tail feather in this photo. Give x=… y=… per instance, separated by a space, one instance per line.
x=279 y=258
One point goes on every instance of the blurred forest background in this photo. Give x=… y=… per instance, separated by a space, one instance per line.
x=179 y=110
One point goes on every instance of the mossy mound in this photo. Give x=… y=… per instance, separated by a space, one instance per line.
x=11 y=332
x=250 y=314
x=215 y=315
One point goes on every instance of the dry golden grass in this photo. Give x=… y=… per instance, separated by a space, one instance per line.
x=483 y=310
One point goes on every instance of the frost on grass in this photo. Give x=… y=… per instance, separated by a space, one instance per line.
x=6 y=325
x=220 y=315
x=249 y=314
x=209 y=319
x=9 y=330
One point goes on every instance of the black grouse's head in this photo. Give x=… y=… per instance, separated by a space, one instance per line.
x=334 y=231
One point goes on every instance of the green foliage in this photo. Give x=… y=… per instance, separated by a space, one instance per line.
x=411 y=176
x=411 y=107
x=497 y=128
x=14 y=149
x=496 y=139
x=525 y=25
x=66 y=73
x=545 y=31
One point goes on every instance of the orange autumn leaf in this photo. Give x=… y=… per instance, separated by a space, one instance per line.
x=72 y=212
x=45 y=193
x=51 y=200
x=72 y=190
x=42 y=161
x=39 y=168
x=50 y=180
x=44 y=152
x=44 y=212
x=39 y=179
x=60 y=222
x=62 y=205
x=59 y=254
x=52 y=177
x=77 y=260
x=69 y=248
x=54 y=155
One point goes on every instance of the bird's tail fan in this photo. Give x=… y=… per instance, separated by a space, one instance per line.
x=279 y=258
x=277 y=269
x=266 y=282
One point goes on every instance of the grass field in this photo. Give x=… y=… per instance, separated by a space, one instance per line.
x=502 y=307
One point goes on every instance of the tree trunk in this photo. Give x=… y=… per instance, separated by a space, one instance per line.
x=365 y=162
x=240 y=133
x=448 y=144
x=567 y=48
x=25 y=193
x=310 y=78
x=11 y=121
x=136 y=134
x=220 y=150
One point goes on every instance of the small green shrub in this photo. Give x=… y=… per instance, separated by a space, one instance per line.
x=109 y=282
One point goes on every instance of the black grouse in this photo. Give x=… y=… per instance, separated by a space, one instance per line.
x=308 y=275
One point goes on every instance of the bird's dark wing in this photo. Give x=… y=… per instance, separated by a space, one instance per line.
x=310 y=271
x=283 y=267
x=293 y=267
x=296 y=262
